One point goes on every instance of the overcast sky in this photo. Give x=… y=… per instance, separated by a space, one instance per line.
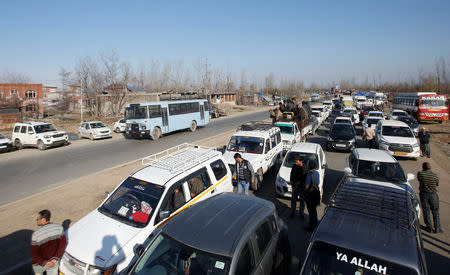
x=314 y=41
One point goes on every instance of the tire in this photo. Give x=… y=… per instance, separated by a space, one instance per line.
x=41 y=146
x=91 y=137
x=156 y=133
x=117 y=130
x=18 y=144
x=193 y=126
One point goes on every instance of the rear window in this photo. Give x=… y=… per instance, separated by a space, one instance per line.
x=219 y=169
x=329 y=259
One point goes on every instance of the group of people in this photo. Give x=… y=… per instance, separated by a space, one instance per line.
x=290 y=105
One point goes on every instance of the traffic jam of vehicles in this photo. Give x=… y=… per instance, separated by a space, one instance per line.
x=179 y=214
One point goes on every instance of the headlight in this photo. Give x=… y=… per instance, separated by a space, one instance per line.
x=99 y=271
x=352 y=140
x=47 y=136
x=384 y=142
x=416 y=145
x=143 y=127
x=280 y=180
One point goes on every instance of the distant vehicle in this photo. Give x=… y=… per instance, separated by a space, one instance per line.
x=397 y=138
x=5 y=144
x=367 y=229
x=372 y=121
x=94 y=130
x=378 y=98
x=342 y=136
x=120 y=125
x=153 y=119
x=412 y=123
x=170 y=182
x=361 y=101
x=314 y=125
x=290 y=134
x=395 y=114
x=343 y=119
x=347 y=101
x=309 y=152
x=351 y=111
x=365 y=111
x=424 y=106
x=375 y=114
x=315 y=98
x=38 y=134
x=319 y=116
x=199 y=241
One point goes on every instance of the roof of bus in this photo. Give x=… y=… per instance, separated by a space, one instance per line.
x=167 y=102
x=414 y=94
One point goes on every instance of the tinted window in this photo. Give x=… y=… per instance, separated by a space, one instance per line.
x=246 y=262
x=154 y=111
x=198 y=182
x=246 y=144
x=219 y=169
x=16 y=129
x=263 y=236
x=184 y=108
x=397 y=131
x=289 y=160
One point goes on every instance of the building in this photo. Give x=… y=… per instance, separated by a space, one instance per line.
x=226 y=97
x=28 y=98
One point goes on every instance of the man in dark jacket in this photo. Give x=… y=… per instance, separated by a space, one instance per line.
x=297 y=179
x=424 y=138
x=243 y=173
x=429 y=199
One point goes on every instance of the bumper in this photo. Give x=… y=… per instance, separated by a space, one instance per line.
x=56 y=142
x=138 y=133
x=102 y=136
x=414 y=154
x=5 y=147
x=344 y=146
x=283 y=190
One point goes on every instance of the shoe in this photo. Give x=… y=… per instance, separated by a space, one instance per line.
x=428 y=229
x=437 y=231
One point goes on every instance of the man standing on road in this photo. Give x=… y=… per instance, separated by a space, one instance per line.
x=312 y=180
x=48 y=243
x=429 y=199
x=243 y=173
x=369 y=135
x=297 y=179
x=424 y=138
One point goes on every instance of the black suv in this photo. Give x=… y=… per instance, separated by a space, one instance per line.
x=342 y=136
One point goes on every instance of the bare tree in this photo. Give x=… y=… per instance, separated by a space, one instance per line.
x=66 y=100
x=14 y=77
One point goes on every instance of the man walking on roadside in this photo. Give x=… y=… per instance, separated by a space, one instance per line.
x=369 y=135
x=429 y=199
x=297 y=179
x=243 y=173
x=424 y=138
x=48 y=243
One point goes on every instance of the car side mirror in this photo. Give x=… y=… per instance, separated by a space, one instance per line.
x=324 y=166
x=347 y=170
x=410 y=176
x=106 y=193
x=139 y=249
x=164 y=214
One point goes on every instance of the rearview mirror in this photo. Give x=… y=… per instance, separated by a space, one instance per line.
x=164 y=214
x=139 y=250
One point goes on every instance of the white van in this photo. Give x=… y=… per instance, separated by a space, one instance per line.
x=103 y=241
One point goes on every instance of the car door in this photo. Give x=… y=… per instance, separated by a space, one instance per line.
x=31 y=137
x=221 y=174
x=266 y=247
x=297 y=133
x=245 y=260
x=198 y=185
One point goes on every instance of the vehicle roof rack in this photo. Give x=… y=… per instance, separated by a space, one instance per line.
x=374 y=200
x=167 y=96
x=180 y=158
x=258 y=126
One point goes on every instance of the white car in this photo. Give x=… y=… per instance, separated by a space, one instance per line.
x=120 y=125
x=94 y=130
x=313 y=124
x=103 y=241
x=397 y=138
x=372 y=121
x=351 y=111
x=322 y=109
x=376 y=114
x=290 y=134
x=379 y=167
x=319 y=116
x=309 y=152
x=260 y=144
x=5 y=143
x=38 y=134
x=343 y=119
x=394 y=114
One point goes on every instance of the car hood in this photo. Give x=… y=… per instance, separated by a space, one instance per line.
x=252 y=158
x=5 y=140
x=402 y=140
x=96 y=238
x=101 y=129
x=51 y=133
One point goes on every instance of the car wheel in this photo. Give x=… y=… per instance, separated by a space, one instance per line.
x=193 y=126
x=156 y=133
x=91 y=136
x=117 y=130
x=18 y=144
x=41 y=146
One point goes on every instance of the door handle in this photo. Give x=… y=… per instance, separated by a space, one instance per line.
x=213 y=191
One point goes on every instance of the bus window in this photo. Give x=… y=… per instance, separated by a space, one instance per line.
x=154 y=111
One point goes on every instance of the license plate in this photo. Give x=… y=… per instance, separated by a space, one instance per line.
x=399 y=153
x=340 y=145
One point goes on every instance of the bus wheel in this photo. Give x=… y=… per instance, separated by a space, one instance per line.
x=156 y=133
x=193 y=126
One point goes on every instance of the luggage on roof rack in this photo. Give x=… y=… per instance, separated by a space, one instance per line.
x=255 y=126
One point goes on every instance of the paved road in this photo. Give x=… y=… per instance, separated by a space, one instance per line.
x=23 y=175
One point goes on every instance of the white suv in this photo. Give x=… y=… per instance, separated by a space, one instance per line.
x=290 y=134
x=103 y=241
x=397 y=138
x=260 y=144
x=37 y=134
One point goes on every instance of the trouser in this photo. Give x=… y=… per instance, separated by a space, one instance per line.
x=312 y=211
x=39 y=269
x=297 y=195
x=426 y=151
x=243 y=184
x=430 y=202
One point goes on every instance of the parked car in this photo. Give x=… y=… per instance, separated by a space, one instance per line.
x=203 y=240
x=5 y=143
x=38 y=134
x=260 y=144
x=120 y=125
x=397 y=138
x=309 y=152
x=342 y=136
x=379 y=167
x=412 y=123
x=94 y=130
x=103 y=241
x=394 y=114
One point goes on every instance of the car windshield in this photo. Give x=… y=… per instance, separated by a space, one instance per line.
x=133 y=202
x=286 y=129
x=243 y=144
x=316 y=113
x=342 y=120
x=166 y=254
x=289 y=160
x=399 y=114
x=329 y=259
x=136 y=112
x=2 y=136
x=372 y=121
x=383 y=171
x=376 y=114
x=409 y=120
x=349 y=112
x=397 y=131
x=97 y=125
x=433 y=103
x=342 y=131
x=44 y=128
